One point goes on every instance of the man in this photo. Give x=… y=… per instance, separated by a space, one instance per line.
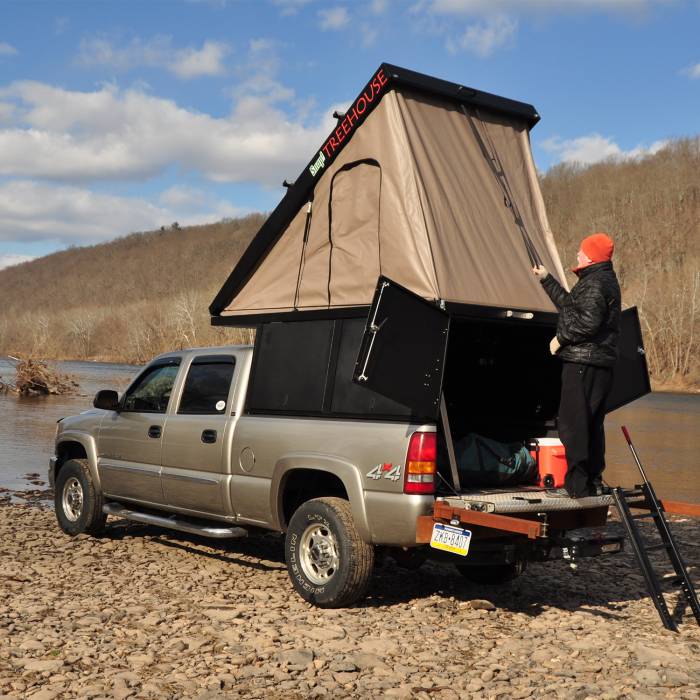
x=586 y=341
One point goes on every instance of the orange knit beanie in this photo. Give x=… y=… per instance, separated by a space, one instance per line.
x=598 y=247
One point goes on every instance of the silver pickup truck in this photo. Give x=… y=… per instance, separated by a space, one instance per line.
x=177 y=449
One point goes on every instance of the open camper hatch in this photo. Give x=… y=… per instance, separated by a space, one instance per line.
x=394 y=279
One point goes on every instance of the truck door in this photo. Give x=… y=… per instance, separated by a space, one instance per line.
x=402 y=354
x=631 y=376
x=130 y=439
x=193 y=474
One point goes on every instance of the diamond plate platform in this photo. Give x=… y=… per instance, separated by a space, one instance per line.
x=523 y=500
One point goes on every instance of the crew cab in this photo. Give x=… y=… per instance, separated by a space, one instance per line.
x=178 y=442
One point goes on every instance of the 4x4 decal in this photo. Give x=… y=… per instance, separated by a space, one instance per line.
x=388 y=471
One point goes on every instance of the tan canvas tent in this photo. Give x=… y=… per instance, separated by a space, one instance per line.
x=428 y=183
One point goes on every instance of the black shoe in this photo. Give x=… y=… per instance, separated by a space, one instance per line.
x=598 y=488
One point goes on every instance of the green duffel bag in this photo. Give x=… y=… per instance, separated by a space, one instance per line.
x=485 y=462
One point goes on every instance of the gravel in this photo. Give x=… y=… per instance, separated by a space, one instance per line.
x=143 y=613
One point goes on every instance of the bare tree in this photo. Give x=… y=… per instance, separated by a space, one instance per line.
x=187 y=311
x=82 y=328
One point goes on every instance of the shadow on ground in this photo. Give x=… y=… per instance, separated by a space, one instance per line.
x=601 y=585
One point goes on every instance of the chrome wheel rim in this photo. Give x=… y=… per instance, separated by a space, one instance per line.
x=72 y=500
x=319 y=554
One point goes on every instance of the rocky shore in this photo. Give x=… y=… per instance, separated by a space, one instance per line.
x=148 y=614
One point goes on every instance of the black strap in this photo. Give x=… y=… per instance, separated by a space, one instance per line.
x=302 y=259
x=496 y=167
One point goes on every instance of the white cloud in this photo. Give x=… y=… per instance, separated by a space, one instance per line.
x=8 y=259
x=179 y=197
x=593 y=148
x=480 y=7
x=7 y=49
x=483 y=38
x=369 y=35
x=112 y=134
x=193 y=206
x=74 y=137
x=290 y=7
x=378 y=7
x=494 y=21
x=39 y=211
x=36 y=211
x=7 y=112
x=60 y=25
x=213 y=3
x=333 y=18
x=693 y=72
x=209 y=60
x=157 y=52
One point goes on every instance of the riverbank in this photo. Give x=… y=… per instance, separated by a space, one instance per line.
x=669 y=387
x=145 y=613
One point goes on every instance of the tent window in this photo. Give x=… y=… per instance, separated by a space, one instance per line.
x=353 y=231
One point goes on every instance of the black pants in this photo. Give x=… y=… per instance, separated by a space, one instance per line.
x=584 y=391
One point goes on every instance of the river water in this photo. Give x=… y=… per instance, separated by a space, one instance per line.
x=665 y=428
x=28 y=424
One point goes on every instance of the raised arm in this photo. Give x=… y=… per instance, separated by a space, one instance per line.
x=555 y=291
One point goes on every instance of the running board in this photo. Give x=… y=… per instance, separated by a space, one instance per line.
x=173 y=522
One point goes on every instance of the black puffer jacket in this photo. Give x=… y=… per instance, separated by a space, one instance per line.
x=589 y=315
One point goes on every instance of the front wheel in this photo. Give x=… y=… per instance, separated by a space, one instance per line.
x=77 y=502
x=329 y=563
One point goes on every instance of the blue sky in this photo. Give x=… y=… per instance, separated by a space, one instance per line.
x=124 y=116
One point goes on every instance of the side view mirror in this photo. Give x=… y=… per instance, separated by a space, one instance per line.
x=107 y=400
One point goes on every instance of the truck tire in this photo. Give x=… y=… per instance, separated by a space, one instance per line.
x=329 y=564
x=78 y=504
x=492 y=574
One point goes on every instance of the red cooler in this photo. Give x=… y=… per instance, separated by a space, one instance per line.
x=552 y=463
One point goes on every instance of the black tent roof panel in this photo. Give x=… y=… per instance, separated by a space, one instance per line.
x=385 y=78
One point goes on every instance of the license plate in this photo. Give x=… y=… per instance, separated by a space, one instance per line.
x=451 y=539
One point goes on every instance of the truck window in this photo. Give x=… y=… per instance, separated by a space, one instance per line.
x=206 y=387
x=150 y=393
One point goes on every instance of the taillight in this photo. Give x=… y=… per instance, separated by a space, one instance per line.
x=421 y=464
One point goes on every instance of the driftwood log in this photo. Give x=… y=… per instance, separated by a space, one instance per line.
x=35 y=378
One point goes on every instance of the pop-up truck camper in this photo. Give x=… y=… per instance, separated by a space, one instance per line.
x=397 y=318
x=395 y=278
x=393 y=285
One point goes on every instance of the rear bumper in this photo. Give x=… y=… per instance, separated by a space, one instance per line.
x=500 y=551
x=524 y=513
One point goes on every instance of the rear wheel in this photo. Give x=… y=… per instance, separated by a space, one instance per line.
x=493 y=574
x=329 y=563
x=77 y=502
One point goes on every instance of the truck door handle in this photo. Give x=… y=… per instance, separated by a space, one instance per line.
x=209 y=436
x=154 y=431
